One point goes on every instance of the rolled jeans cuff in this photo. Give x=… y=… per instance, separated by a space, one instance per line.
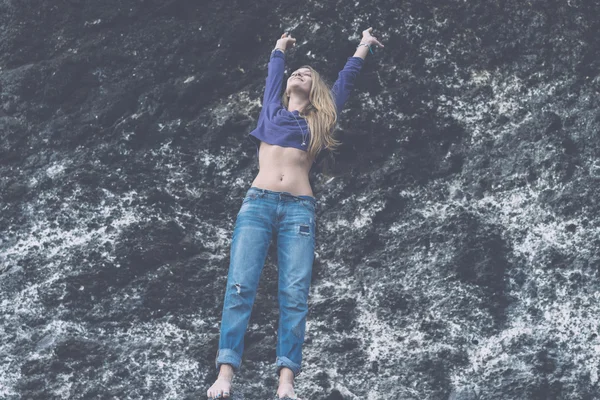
x=228 y=356
x=286 y=362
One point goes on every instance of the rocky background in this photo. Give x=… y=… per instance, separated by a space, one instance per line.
x=459 y=229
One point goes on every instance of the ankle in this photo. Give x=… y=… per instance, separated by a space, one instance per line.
x=226 y=371
x=284 y=381
x=286 y=376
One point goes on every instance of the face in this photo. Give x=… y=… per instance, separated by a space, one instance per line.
x=300 y=79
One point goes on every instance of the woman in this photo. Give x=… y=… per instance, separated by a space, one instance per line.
x=291 y=132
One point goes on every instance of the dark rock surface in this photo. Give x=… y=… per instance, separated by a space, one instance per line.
x=459 y=228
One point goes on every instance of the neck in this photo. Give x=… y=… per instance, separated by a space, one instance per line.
x=297 y=103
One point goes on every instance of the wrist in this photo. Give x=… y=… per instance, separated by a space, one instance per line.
x=367 y=45
x=278 y=48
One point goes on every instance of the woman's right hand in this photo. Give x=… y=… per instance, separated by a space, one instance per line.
x=370 y=39
x=286 y=42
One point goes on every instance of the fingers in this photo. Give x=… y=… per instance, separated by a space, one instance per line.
x=287 y=40
x=377 y=42
x=368 y=33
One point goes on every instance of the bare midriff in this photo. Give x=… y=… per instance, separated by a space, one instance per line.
x=283 y=169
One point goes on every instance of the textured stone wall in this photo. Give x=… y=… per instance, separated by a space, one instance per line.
x=458 y=226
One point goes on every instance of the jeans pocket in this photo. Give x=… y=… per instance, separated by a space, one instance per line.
x=246 y=202
x=309 y=205
x=249 y=197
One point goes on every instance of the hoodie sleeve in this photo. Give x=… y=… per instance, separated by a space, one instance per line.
x=345 y=82
x=274 y=77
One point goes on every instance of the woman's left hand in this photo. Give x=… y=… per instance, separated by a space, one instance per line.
x=370 y=39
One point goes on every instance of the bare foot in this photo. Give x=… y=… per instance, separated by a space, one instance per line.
x=222 y=386
x=286 y=384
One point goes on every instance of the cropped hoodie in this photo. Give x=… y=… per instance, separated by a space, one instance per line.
x=278 y=126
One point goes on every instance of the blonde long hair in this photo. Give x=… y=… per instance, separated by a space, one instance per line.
x=320 y=115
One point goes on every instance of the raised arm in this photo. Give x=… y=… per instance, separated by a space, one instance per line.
x=345 y=82
x=275 y=69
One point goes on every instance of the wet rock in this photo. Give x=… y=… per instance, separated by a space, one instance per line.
x=456 y=251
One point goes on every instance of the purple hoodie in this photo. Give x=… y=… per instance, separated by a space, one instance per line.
x=277 y=125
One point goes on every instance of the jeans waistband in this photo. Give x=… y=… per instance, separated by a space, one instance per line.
x=280 y=195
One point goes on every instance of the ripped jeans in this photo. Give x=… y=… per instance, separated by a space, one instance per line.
x=291 y=220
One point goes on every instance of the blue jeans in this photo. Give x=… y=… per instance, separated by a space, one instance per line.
x=291 y=220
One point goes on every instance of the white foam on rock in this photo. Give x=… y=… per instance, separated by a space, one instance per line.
x=240 y=102
x=530 y=230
